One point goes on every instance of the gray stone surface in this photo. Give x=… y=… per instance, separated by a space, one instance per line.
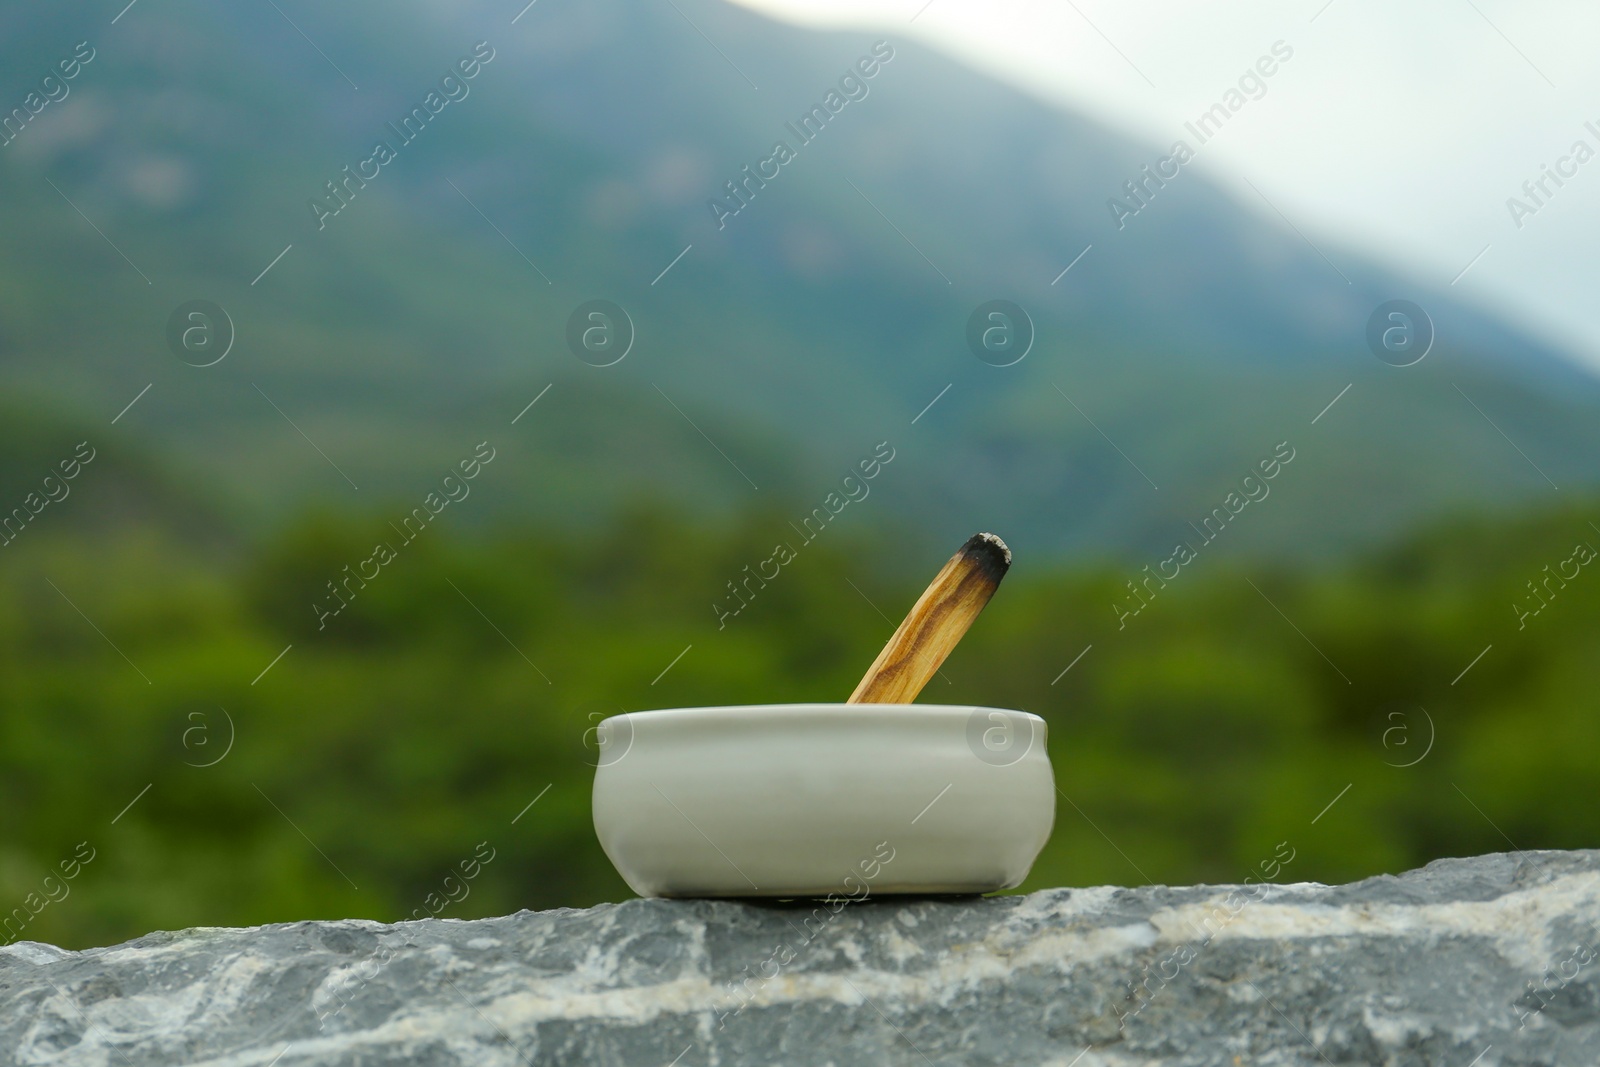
x=1483 y=962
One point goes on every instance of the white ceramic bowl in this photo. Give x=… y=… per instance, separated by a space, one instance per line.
x=801 y=800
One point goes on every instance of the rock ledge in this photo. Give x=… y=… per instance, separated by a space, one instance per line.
x=1483 y=961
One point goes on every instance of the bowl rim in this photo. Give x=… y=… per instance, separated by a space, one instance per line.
x=821 y=710
x=831 y=715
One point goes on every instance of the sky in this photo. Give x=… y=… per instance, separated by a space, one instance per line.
x=1397 y=131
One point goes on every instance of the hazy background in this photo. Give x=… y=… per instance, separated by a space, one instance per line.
x=1358 y=664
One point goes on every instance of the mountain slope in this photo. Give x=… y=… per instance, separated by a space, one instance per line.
x=777 y=351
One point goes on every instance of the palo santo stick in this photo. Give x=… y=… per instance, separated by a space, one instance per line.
x=937 y=621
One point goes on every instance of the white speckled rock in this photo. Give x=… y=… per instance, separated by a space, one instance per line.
x=1486 y=961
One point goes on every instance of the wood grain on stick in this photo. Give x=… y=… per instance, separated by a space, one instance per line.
x=937 y=621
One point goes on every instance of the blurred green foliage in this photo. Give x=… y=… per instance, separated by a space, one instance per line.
x=377 y=753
